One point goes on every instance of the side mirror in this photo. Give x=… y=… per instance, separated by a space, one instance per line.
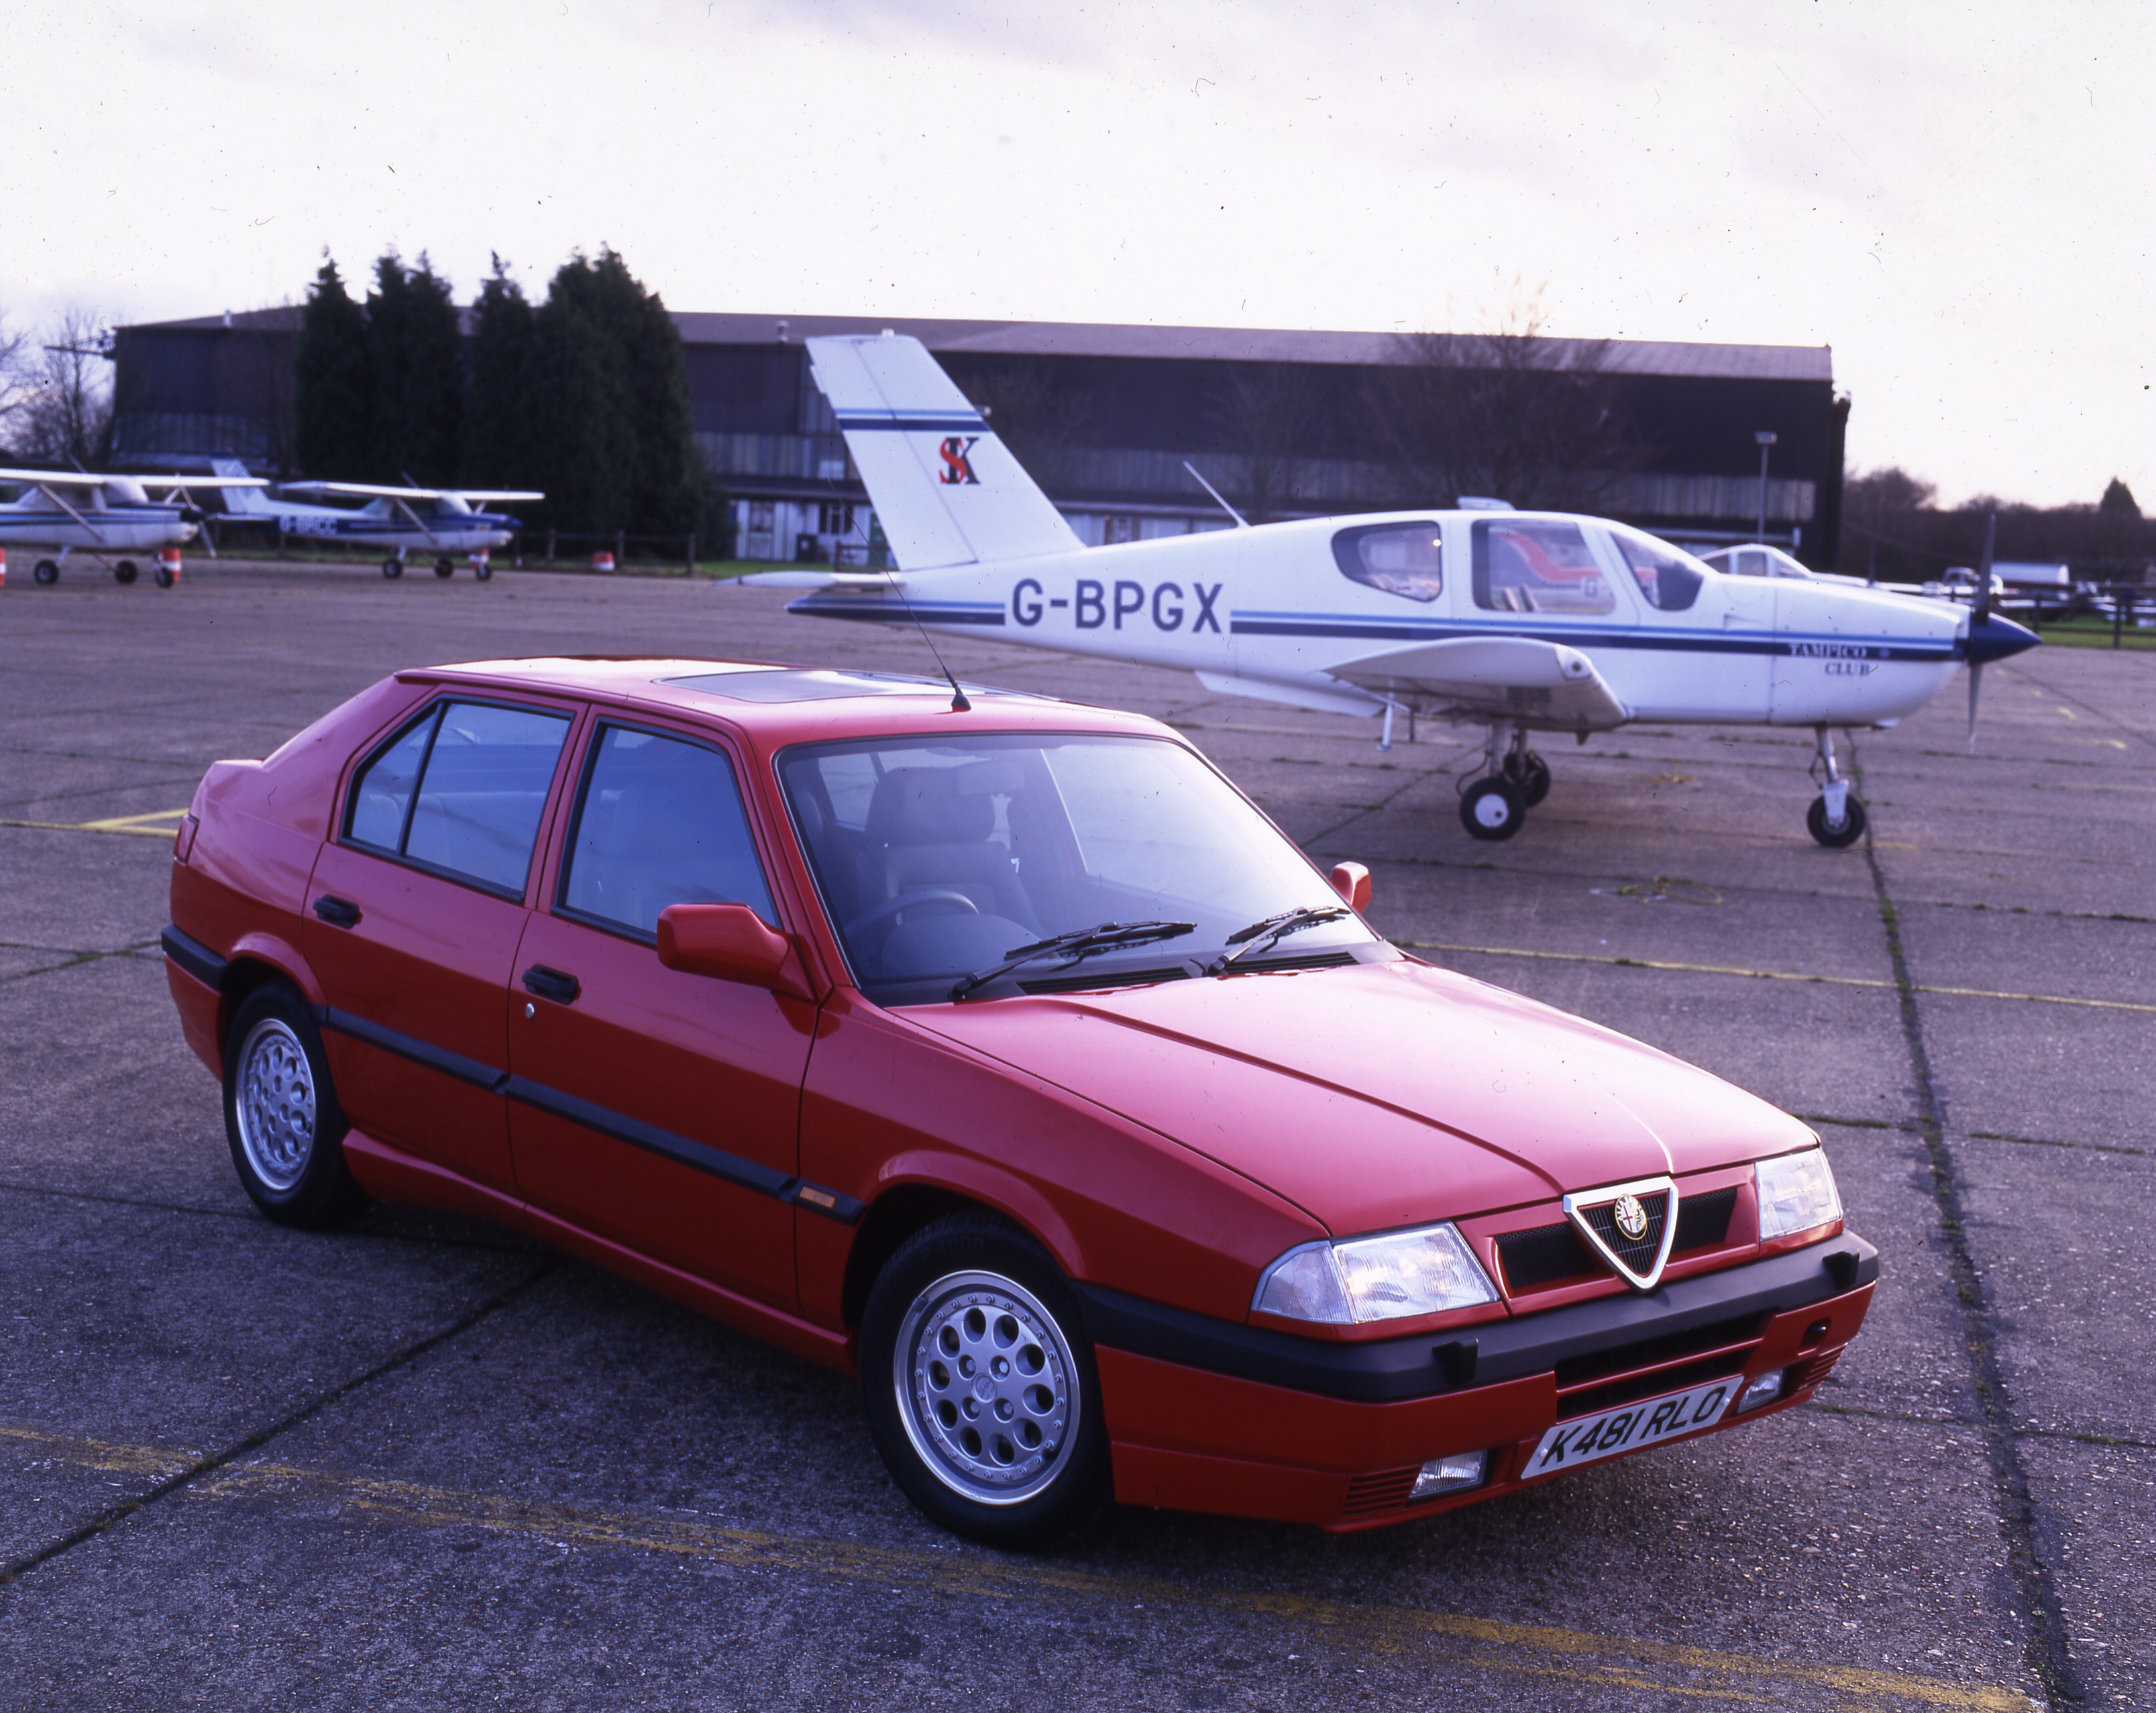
x=730 y=942
x=1351 y=881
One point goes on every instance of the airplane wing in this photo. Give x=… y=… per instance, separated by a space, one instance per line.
x=499 y=497
x=1500 y=677
x=50 y=478
x=201 y=481
x=817 y=579
x=362 y=490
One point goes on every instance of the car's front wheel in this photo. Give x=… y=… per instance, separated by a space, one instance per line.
x=979 y=1383
x=281 y=1115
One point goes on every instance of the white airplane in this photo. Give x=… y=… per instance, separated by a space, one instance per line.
x=1520 y=621
x=437 y=521
x=106 y=517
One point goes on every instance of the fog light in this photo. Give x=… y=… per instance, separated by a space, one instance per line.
x=1764 y=1390
x=1450 y=1474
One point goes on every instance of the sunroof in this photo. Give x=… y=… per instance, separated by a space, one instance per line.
x=816 y=684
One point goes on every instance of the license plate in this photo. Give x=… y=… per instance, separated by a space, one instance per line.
x=1570 y=1445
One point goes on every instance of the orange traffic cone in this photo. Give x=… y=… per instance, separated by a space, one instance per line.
x=169 y=566
x=602 y=560
x=3 y=567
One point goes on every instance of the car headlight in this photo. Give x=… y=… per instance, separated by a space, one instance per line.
x=1796 y=1193
x=1384 y=1278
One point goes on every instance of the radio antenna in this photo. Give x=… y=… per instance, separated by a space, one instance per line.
x=1241 y=522
x=958 y=702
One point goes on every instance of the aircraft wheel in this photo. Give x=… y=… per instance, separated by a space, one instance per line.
x=393 y=568
x=444 y=568
x=1835 y=837
x=1530 y=776
x=483 y=571
x=124 y=572
x=46 y=572
x=1492 y=808
x=163 y=575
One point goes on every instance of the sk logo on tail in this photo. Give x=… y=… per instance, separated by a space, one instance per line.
x=957 y=463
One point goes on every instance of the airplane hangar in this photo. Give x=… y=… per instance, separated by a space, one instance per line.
x=1286 y=424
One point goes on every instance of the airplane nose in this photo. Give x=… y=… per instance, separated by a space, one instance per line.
x=1993 y=639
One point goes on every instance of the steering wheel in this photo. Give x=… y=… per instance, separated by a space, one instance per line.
x=906 y=900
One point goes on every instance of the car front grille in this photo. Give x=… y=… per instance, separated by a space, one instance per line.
x=1639 y=1252
x=1545 y=1254
x=1388 y=1489
x=1602 y=1379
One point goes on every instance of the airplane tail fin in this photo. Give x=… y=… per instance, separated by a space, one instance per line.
x=946 y=490
x=240 y=503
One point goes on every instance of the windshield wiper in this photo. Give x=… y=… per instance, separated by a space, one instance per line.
x=1080 y=943
x=1260 y=936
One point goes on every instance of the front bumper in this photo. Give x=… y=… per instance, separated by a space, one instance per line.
x=1210 y=1415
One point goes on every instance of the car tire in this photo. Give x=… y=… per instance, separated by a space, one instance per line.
x=967 y=1302
x=1835 y=838
x=1490 y=808
x=281 y=1115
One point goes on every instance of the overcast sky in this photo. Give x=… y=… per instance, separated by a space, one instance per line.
x=1957 y=198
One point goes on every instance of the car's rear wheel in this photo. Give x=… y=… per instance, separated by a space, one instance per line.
x=979 y=1383
x=281 y=1115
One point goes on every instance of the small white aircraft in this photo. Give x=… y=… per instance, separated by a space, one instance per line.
x=106 y=517
x=437 y=521
x=1520 y=621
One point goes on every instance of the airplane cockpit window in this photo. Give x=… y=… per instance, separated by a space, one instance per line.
x=1400 y=559
x=1537 y=565
x=1669 y=579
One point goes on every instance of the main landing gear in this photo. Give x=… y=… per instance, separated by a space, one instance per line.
x=1495 y=805
x=393 y=566
x=1835 y=818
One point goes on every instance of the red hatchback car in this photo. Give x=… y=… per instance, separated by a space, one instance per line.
x=1003 y=1053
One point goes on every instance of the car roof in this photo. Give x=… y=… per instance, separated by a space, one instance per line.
x=775 y=703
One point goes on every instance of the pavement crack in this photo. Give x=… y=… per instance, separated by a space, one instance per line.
x=207 y=1465
x=2048 y=1653
x=511 y=1244
x=75 y=960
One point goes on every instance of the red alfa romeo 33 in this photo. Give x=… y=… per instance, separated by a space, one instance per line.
x=1003 y=1054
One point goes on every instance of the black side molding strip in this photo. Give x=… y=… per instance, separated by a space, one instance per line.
x=748 y=1173
x=1389 y=1370
x=191 y=956
x=408 y=1046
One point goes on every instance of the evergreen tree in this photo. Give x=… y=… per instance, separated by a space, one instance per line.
x=500 y=449
x=2117 y=501
x=612 y=402
x=331 y=402
x=415 y=352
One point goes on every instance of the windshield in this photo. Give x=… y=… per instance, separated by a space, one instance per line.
x=939 y=857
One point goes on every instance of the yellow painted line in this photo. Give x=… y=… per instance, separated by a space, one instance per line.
x=2041 y=999
x=1477 y=1644
x=138 y=825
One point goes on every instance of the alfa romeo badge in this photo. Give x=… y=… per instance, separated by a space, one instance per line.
x=1632 y=1217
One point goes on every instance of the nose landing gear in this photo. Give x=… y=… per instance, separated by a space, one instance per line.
x=1835 y=818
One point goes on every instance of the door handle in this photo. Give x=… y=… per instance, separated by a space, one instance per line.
x=552 y=984
x=338 y=912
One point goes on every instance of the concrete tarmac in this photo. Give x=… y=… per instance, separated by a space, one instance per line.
x=421 y=1463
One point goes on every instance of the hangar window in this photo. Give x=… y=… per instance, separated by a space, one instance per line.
x=660 y=823
x=1400 y=559
x=1668 y=578
x=481 y=772
x=1537 y=565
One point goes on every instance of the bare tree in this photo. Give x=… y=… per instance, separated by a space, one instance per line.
x=1508 y=414
x=14 y=377
x=67 y=416
x=1272 y=416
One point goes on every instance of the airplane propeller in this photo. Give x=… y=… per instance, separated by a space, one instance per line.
x=1979 y=616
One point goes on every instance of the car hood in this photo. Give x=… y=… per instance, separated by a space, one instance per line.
x=1383 y=1094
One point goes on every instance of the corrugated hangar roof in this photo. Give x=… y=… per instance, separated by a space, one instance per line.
x=1634 y=356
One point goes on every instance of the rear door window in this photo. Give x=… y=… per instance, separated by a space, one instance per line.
x=660 y=822
x=461 y=790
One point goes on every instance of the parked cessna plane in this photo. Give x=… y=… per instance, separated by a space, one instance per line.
x=1520 y=621
x=437 y=521
x=106 y=517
